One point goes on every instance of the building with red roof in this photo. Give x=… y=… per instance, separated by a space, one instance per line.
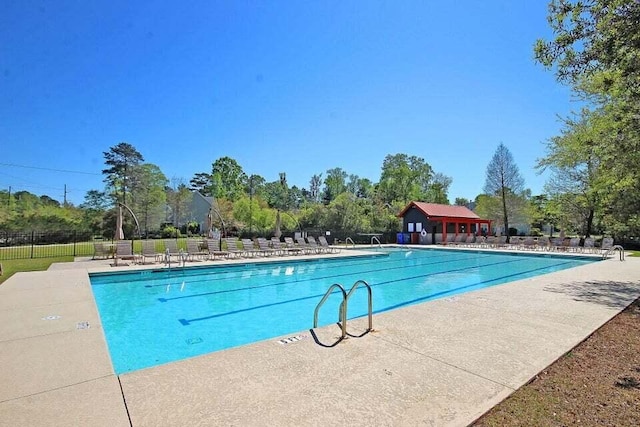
x=435 y=223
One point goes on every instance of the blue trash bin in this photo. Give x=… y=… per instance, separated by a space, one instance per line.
x=399 y=238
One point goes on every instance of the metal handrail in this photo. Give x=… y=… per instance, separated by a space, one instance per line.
x=351 y=291
x=342 y=314
x=376 y=238
x=612 y=250
x=349 y=239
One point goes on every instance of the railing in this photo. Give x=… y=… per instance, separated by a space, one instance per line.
x=375 y=238
x=612 y=250
x=342 y=313
x=370 y=301
x=349 y=239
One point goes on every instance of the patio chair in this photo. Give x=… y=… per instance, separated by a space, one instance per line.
x=250 y=248
x=232 y=247
x=589 y=245
x=290 y=244
x=286 y=250
x=213 y=246
x=124 y=251
x=313 y=244
x=149 y=251
x=306 y=247
x=100 y=251
x=194 y=252
x=324 y=244
x=172 y=246
x=265 y=249
x=607 y=243
x=543 y=243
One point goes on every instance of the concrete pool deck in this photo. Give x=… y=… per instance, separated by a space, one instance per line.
x=443 y=362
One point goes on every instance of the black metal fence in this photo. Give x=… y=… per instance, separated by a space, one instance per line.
x=44 y=244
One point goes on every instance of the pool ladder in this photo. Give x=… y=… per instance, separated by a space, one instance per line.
x=612 y=250
x=342 y=312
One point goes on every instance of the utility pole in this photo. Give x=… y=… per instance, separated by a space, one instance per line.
x=9 y=198
x=65 y=195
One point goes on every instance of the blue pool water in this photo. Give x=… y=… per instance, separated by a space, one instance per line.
x=153 y=317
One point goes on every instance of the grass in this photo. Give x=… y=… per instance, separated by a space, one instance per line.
x=10 y=267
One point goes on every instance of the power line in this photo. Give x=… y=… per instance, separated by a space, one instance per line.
x=49 y=169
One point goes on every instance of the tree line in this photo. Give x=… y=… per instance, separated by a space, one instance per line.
x=594 y=186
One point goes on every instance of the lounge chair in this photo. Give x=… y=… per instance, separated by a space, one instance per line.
x=124 y=251
x=213 y=247
x=543 y=243
x=149 y=251
x=324 y=244
x=589 y=245
x=250 y=248
x=194 y=252
x=313 y=244
x=267 y=250
x=574 y=244
x=100 y=251
x=306 y=247
x=172 y=247
x=277 y=244
x=290 y=244
x=232 y=247
x=607 y=243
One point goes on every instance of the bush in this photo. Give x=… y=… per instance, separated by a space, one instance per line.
x=170 y=231
x=513 y=231
x=535 y=232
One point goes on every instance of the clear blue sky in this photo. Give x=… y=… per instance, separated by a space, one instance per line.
x=281 y=86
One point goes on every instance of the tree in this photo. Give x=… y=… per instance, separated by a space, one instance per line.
x=314 y=188
x=594 y=38
x=595 y=51
x=202 y=183
x=122 y=159
x=404 y=178
x=461 y=201
x=576 y=169
x=149 y=196
x=179 y=198
x=228 y=179
x=334 y=184
x=504 y=182
x=438 y=189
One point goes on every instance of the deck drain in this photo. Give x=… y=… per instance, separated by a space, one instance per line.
x=83 y=325
x=52 y=317
x=191 y=341
x=292 y=339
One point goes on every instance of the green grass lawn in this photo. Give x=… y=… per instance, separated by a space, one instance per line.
x=37 y=264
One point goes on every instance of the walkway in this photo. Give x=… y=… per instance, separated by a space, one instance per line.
x=443 y=362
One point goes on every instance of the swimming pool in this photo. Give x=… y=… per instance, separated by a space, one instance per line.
x=153 y=317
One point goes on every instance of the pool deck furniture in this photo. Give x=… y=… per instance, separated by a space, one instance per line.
x=149 y=251
x=213 y=247
x=443 y=362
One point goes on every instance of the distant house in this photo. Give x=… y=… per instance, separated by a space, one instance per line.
x=430 y=223
x=199 y=209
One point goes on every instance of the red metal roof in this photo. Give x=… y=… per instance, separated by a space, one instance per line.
x=437 y=210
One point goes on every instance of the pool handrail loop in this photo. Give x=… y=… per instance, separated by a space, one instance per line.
x=612 y=250
x=370 y=308
x=342 y=313
x=349 y=239
x=375 y=238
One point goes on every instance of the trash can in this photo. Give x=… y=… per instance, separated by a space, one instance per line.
x=406 y=238
x=415 y=238
x=399 y=238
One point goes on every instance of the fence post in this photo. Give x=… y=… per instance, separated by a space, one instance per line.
x=75 y=235
x=32 y=240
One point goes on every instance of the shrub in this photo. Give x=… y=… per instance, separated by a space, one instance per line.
x=170 y=231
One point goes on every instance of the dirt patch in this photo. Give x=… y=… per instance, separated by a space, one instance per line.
x=595 y=384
